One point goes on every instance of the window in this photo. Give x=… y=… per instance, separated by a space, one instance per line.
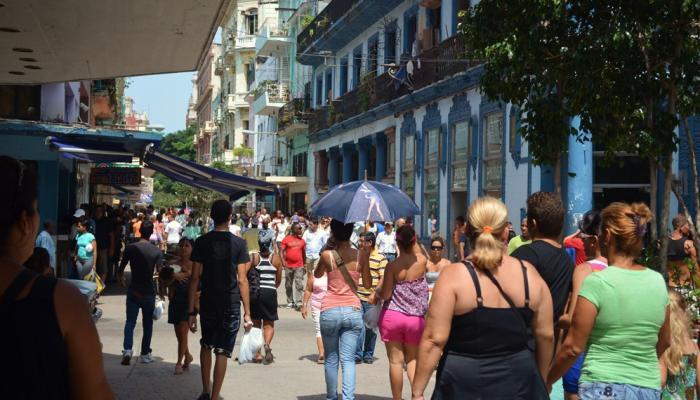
x=407 y=179
x=356 y=67
x=410 y=29
x=251 y=22
x=329 y=86
x=390 y=45
x=460 y=155
x=430 y=194
x=299 y=164
x=391 y=156
x=319 y=90
x=343 y=76
x=493 y=143
x=372 y=54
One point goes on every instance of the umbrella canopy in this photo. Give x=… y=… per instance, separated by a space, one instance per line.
x=365 y=201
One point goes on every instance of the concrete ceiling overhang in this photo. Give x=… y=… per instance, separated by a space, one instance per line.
x=66 y=40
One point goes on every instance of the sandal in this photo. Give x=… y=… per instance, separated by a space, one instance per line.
x=178 y=369
x=188 y=361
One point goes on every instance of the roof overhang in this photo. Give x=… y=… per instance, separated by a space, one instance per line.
x=76 y=39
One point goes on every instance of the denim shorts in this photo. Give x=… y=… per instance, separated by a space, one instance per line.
x=219 y=330
x=615 y=391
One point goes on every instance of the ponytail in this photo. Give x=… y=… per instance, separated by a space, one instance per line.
x=488 y=217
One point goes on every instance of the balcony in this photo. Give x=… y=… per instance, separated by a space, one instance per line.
x=273 y=39
x=293 y=117
x=374 y=91
x=339 y=23
x=245 y=42
x=270 y=96
x=219 y=66
x=219 y=114
x=235 y=101
x=209 y=127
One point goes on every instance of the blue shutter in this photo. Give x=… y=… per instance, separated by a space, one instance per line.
x=474 y=131
x=445 y=146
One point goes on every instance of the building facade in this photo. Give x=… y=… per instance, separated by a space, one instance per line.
x=208 y=89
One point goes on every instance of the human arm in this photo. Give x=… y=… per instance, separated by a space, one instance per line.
x=386 y=283
x=438 y=323
x=308 y=290
x=575 y=343
x=580 y=274
x=283 y=251
x=122 y=265
x=245 y=293
x=192 y=295
x=94 y=254
x=277 y=263
x=664 y=371
x=363 y=265
x=542 y=322
x=664 y=340
x=86 y=374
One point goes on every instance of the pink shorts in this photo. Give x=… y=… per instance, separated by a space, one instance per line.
x=395 y=326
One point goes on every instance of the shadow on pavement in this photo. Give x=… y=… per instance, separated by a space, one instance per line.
x=357 y=396
x=151 y=381
x=310 y=357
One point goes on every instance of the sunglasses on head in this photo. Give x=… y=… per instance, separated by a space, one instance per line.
x=435 y=248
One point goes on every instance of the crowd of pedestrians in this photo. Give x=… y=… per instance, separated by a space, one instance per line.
x=502 y=316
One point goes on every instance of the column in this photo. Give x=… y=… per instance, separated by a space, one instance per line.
x=363 y=159
x=347 y=162
x=333 y=167
x=380 y=143
x=579 y=192
x=392 y=162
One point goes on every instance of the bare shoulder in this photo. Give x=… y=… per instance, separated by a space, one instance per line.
x=69 y=304
x=453 y=272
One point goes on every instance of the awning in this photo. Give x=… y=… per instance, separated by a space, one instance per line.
x=90 y=151
x=200 y=176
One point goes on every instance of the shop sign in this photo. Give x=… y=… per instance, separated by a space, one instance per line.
x=115 y=176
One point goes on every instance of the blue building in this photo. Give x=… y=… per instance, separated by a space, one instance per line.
x=393 y=97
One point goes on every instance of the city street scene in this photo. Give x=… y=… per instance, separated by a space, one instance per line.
x=350 y=199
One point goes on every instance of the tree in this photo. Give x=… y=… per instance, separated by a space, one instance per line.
x=621 y=69
x=180 y=143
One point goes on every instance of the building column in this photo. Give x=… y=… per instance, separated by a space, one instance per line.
x=579 y=192
x=380 y=143
x=333 y=167
x=363 y=159
x=347 y=163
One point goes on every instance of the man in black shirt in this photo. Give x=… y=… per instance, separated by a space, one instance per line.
x=143 y=258
x=104 y=236
x=545 y=221
x=220 y=262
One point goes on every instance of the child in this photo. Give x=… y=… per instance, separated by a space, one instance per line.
x=679 y=363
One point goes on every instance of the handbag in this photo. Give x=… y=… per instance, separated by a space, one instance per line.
x=93 y=277
x=158 y=309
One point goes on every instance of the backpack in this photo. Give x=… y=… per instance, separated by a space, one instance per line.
x=254 y=282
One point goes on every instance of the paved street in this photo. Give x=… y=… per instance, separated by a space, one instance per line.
x=294 y=375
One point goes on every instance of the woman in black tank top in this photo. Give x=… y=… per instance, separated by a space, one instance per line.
x=51 y=346
x=489 y=327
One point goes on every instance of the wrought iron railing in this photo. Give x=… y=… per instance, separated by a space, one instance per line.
x=323 y=21
x=294 y=112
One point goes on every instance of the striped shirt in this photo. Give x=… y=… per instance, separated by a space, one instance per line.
x=377 y=263
x=268 y=274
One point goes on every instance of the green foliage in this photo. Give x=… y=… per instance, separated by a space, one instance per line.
x=243 y=151
x=180 y=143
x=306 y=20
x=624 y=70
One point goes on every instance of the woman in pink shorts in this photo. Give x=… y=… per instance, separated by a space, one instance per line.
x=401 y=322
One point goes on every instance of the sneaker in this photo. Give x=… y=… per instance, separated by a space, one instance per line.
x=368 y=361
x=203 y=396
x=269 y=358
x=146 y=358
x=126 y=357
x=290 y=305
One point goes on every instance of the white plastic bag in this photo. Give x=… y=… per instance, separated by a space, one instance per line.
x=158 y=310
x=371 y=317
x=251 y=343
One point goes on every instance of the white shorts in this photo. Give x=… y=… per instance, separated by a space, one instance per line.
x=316 y=316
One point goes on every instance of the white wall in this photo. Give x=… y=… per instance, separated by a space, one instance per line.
x=53 y=102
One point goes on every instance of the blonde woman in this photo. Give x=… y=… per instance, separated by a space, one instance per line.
x=479 y=320
x=679 y=376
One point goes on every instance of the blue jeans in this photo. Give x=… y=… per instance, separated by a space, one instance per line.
x=367 y=339
x=134 y=302
x=615 y=391
x=390 y=256
x=340 y=330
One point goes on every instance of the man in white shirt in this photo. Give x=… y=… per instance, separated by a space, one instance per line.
x=386 y=242
x=172 y=235
x=45 y=241
x=315 y=239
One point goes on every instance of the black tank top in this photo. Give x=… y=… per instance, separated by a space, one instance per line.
x=489 y=331
x=676 y=249
x=35 y=362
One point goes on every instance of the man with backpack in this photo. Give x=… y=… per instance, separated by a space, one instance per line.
x=220 y=262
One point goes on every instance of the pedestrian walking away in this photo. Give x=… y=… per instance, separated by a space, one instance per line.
x=368 y=297
x=143 y=259
x=314 y=293
x=104 y=237
x=175 y=279
x=172 y=236
x=263 y=302
x=341 y=318
x=51 y=344
x=622 y=354
x=293 y=251
x=481 y=318
x=405 y=292
x=220 y=262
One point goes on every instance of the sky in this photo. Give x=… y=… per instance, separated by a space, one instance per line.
x=164 y=97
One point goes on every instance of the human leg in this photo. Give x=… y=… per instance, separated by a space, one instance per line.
x=102 y=266
x=410 y=352
x=148 y=304
x=350 y=332
x=132 y=312
x=394 y=351
x=359 y=351
x=219 y=374
x=316 y=315
x=299 y=274
x=288 y=284
x=205 y=363
x=268 y=334
x=330 y=330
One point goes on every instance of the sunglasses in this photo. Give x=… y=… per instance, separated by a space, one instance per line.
x=435 y=248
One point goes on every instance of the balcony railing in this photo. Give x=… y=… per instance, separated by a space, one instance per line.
x=245 y=42
x=323 y=21
x=439 y=62
x=295 y=112
x=277 y=92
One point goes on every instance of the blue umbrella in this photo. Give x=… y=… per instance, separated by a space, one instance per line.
x=364 y=201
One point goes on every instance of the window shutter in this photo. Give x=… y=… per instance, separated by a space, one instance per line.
x=474 y=132
x=445 y=146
